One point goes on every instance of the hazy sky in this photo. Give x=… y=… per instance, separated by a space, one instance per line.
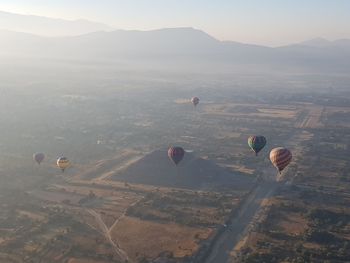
x=268 y=22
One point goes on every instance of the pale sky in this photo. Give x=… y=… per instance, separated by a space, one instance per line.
x=266 y=22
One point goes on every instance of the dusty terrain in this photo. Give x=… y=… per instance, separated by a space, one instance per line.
x=123 y=200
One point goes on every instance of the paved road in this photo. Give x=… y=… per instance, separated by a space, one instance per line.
x=239 y=224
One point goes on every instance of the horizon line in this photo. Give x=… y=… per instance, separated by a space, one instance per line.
x=113 y=29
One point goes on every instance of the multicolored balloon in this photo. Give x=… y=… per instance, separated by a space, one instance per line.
x=280 y=158
x=63 y=163
x=256 y=143
x=195 y=101
x=176 y=154
x=38 y=157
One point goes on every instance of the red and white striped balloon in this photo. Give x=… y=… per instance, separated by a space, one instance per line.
x=280 y=158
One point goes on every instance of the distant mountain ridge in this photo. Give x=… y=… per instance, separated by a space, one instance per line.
x=322 y=42
x=46 y=26
x=177 y=47
x=123 y=43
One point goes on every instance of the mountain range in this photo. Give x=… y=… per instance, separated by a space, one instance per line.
x=170 y=45
x=46 y=26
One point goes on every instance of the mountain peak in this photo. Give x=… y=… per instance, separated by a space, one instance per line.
x=323 y=42
x=316 y=42
x=46 y=26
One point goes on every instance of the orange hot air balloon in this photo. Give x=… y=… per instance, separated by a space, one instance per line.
x=280 y=158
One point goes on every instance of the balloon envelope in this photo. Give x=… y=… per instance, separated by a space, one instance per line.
x=38 y=157
x=256 y=143
x=195 y=101
x=63 y=163
x=176 y=154
x=280 y=158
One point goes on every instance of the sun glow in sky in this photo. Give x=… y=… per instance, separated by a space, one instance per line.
x=266 y=22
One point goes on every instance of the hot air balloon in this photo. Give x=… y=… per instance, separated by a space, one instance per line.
x=280 y=158
x=176 y=154
x=63 y=163
x=195 y=101
x=256 y=143
x=38 y=157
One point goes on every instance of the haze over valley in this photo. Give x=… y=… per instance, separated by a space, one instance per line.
x=113 y=102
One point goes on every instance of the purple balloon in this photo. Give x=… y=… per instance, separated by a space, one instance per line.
x=176 y=154
x=38 y=157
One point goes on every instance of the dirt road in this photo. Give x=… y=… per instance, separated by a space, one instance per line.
x=105 y=231
x=238 y=226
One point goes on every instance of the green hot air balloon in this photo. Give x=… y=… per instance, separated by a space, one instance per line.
x=256 y=143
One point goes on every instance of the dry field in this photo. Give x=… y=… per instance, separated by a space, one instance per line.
x=183 y=101
x=292 y=224
x=252 y=111
x=85 y=260
x=140 y=238
x=240 y=168
x=338 y=116
x=57 y=196
x=105 y=168
x=228 y=135
x=33 y=216
x=105 y=213
x=312 y=118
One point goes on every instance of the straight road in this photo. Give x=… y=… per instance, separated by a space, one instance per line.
x=238 y=226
